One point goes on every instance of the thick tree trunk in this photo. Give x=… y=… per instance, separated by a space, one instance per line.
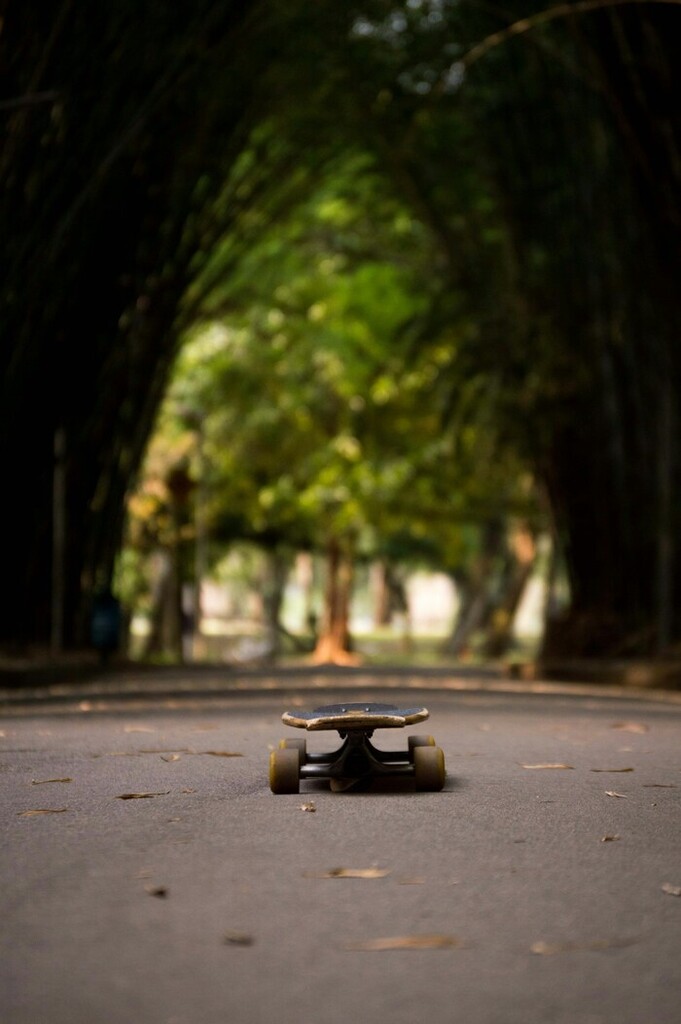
x=616 y=523
x=389 y=594
x=522 y=553
x=273 y=596
x=478 y=592
x=165 y=636
x=494 y=591
x=380 y=594
x=333 y=642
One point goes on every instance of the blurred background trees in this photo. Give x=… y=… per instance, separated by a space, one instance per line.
x=410 y=270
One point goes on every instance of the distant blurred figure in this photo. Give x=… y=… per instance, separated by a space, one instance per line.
x=105 y=624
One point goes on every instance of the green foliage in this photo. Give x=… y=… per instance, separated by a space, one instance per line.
x=323 y=393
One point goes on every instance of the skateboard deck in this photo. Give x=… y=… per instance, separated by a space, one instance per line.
x=355 y=715
x=357 y=761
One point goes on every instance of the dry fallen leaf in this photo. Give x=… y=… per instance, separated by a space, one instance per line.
x=671 y=890
x=137 y=728
x=160 y=891
x=610 y=839
x=42 y=810
x=407 y=942
x=547 y=766
x=309 y=806
x=171 y=757
x=630 y=726
x=237 y=939
x=349 y=873
x=43 y=782
x=620 y=796
x=165 y=750
x=611 y=769
x=136 y=753
x=140 y=796
x=218 y=753
x=549 y=949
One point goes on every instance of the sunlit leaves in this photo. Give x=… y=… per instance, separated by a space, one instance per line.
x=317 y=403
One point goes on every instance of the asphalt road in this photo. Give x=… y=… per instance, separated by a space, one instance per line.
x=149 y=877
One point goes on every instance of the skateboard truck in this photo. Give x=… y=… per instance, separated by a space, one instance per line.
x=357 y=761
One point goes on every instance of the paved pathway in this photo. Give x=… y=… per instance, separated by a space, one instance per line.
x=521 y=893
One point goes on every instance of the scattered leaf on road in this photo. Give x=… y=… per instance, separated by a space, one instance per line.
x=165 y=750
x=237 y=939
x=671 y=890
x=42 y=810
x=549 y=949
x=140 y=796
x=170 y=757
x=43 y=782
x=547 y=766
x=611 y=769
x=610 y=839
x=407 y=942
x=630 y=726
x=137 y=728
x=159 y=891
x=309 y=806
x=135 y=753
x=620 y=796
x=349 y=873
x=217 y=753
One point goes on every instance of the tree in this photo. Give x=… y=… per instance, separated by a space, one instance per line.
x=119 y=125
x=568 y=120
x=325 y=399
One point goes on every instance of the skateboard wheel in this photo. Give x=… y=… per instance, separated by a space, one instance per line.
x=284 y=769
x=419 y=741
x=429 y=768
x=297 y=744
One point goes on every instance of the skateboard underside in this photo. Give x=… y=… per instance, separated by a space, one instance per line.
x=356 y=762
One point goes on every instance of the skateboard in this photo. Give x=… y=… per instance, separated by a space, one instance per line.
x=357 y=761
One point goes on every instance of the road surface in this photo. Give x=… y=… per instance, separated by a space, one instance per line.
x=150 y=876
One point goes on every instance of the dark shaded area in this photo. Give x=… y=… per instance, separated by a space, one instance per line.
x=117 y=125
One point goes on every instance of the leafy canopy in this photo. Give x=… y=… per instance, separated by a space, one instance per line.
x=321 y=377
